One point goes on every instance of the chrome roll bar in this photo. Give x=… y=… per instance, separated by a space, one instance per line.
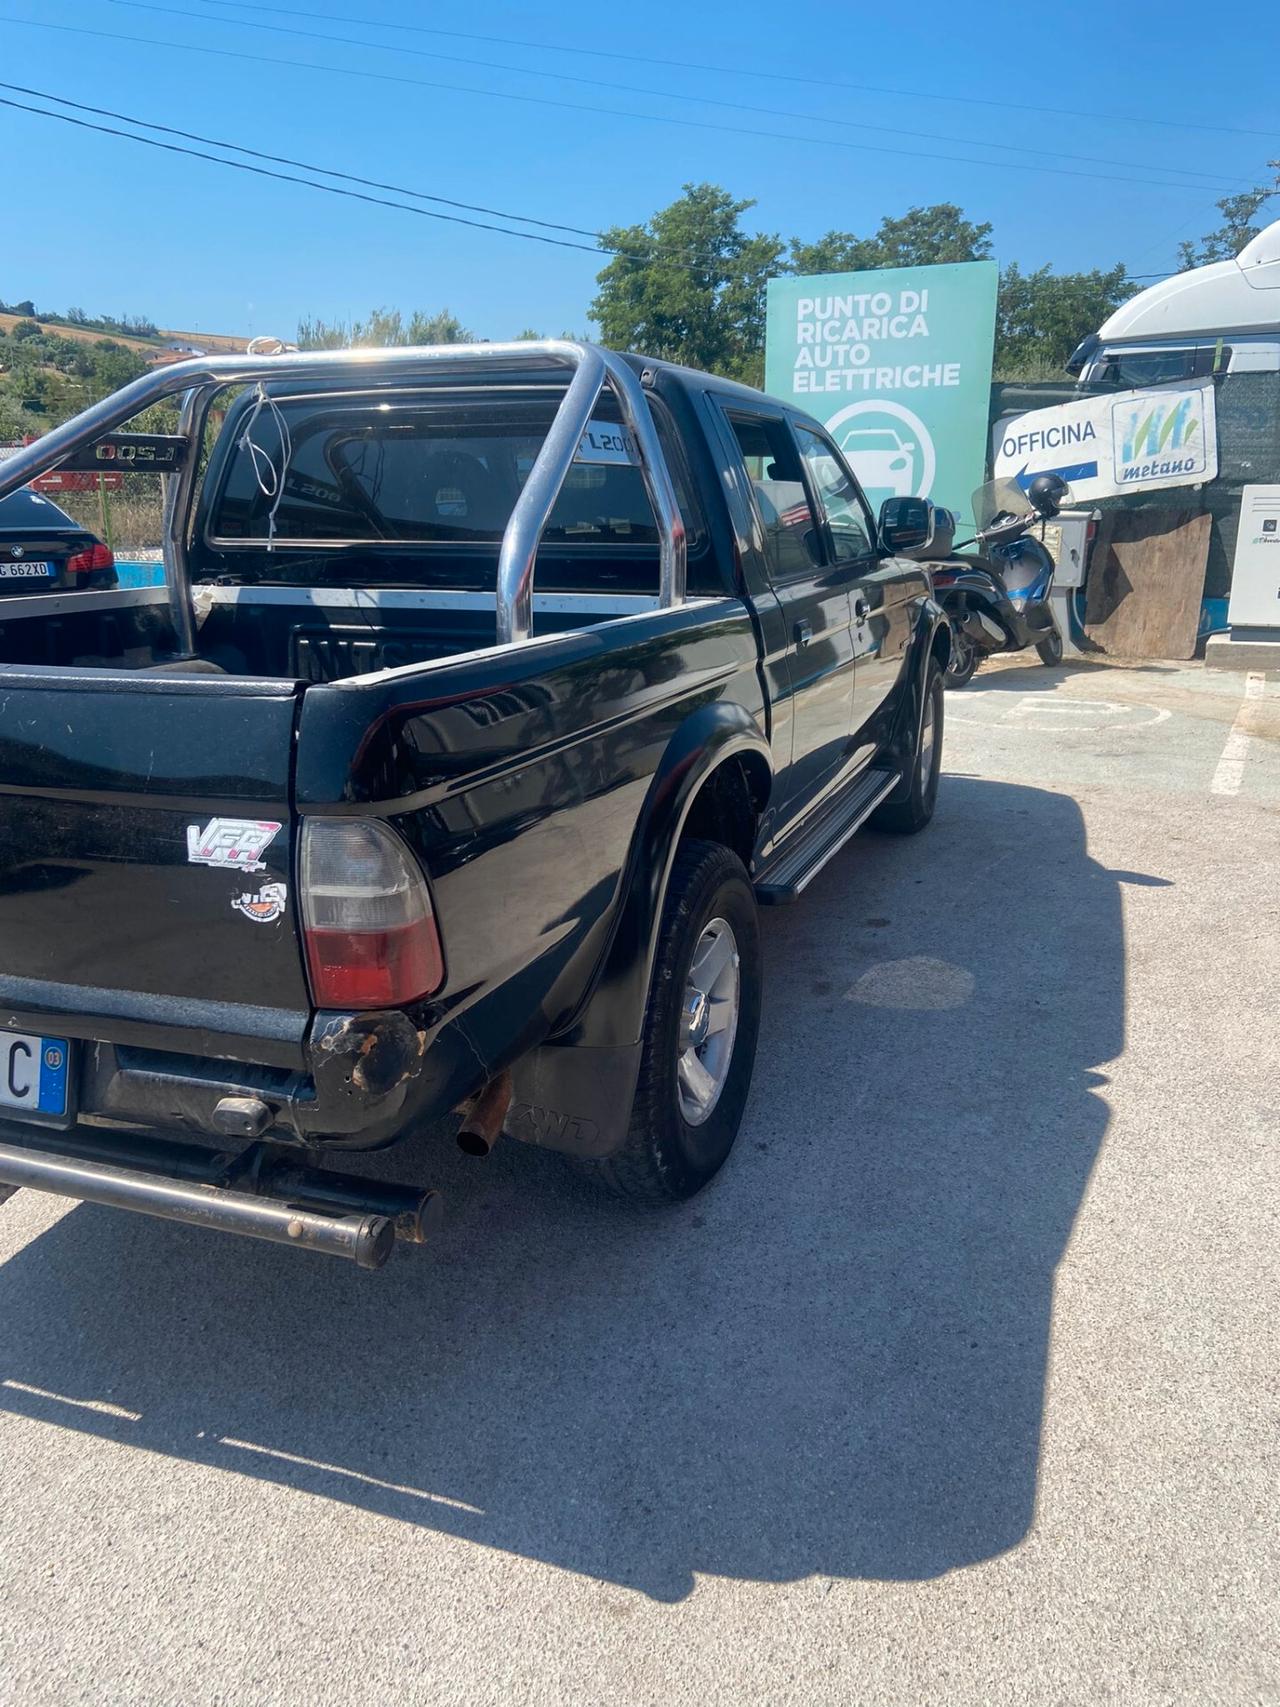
x=199 y=380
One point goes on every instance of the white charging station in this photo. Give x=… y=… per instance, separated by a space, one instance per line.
x=1066 y=539
x=1255 y=574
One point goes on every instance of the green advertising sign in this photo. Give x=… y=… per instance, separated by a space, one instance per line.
x=897 y=365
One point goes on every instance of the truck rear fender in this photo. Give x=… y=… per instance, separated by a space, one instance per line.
x=575 y=1093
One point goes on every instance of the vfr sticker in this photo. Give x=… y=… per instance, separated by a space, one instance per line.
x=265 y=906
x=235 y=844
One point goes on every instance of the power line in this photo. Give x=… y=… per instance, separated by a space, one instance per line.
x=601 y=247
x=656 y=255
x=661 y=94
x=290 y=178
x=686 y=257
x=303 y=165
x=609 y=112
x=1002 y=102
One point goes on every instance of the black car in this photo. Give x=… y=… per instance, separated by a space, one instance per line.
x=42 y=550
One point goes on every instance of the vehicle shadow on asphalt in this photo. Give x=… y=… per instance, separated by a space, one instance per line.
x=1024 y=674
x=832 y=1362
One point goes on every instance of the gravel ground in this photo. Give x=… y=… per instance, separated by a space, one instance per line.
x=959 y=1386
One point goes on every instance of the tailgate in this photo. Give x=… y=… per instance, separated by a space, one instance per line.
x=146 y=849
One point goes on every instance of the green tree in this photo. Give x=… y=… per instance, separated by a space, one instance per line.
x=689 y=285
x=1043 y=315
x=1239 y=216
x=113 y=366
x=384 y=327
x=15 y=423
x=921 y=237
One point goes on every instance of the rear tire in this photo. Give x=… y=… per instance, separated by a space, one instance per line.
x=672 y=1146
x=906 y=817
x=1050 y=650
x=964 y=660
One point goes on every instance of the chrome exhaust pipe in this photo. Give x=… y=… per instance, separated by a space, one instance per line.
x=365 y=1239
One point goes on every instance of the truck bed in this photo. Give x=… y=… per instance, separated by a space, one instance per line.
x=281 y=633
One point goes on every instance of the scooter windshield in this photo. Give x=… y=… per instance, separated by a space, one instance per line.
x=1000 y=497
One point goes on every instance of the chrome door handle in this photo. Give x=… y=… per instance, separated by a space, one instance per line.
x=861 y=609
x=803 y=632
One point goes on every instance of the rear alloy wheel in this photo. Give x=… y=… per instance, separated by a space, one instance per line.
x=904 y=817
x=708 y=1021
x=700 y=1032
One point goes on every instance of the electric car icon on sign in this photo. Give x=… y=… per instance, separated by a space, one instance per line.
x=882 y=459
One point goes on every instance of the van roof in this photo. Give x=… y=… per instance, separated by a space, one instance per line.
x=1227 y=296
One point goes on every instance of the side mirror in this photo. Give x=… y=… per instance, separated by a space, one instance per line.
x=906 y=524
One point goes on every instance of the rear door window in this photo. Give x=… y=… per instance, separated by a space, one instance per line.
x=793 y=540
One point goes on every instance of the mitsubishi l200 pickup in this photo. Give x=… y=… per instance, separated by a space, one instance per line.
x=490 y=692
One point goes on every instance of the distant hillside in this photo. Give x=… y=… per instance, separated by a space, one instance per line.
x=210 y=342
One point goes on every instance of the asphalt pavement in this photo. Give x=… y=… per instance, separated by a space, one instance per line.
x=958 y=1386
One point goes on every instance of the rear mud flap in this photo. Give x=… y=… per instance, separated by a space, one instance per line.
x=574 y=1098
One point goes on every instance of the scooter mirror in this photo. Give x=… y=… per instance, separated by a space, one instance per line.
x=906 y=524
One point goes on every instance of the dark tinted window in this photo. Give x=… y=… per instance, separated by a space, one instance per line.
x=792 y=539
x=1133 y=369
x=838 y=496
x=25 y=509
x=422 y=471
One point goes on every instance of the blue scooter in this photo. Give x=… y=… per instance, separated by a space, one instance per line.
x=997 y=600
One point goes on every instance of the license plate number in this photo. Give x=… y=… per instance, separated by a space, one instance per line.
x=27 y=571
x=33 y=1072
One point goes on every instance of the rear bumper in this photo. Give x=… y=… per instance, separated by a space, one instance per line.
x=357 y=1081
x=364 y=1080
x=257 y=1193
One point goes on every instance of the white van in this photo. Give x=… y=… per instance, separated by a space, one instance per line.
x=1223 y=318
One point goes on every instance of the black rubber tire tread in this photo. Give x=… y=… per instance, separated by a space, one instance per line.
x=1050 y=651
x=654 y=1165
x=907 y=817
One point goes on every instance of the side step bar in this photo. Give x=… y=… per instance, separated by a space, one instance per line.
x=803 y=856
x=258 y=1193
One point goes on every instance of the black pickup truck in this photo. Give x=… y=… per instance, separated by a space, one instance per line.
x=491 y=690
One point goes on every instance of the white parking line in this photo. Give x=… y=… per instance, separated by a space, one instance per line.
x=1230 y=772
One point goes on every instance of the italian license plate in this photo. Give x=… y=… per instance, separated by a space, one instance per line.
x=28 y=571
x=33 y=1073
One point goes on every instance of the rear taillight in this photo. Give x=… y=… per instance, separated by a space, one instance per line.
x=94 y=557
x=369 y=928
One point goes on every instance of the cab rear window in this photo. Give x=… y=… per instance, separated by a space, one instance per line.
x=430 y=472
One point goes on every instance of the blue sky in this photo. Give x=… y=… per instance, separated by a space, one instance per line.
x=194 y=245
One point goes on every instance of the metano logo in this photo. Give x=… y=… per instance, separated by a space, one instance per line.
x=1155 y=439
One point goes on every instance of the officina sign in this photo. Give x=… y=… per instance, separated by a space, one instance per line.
x=1115 y=443
x=896 y=363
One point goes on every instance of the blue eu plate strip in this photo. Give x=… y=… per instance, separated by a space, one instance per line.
x=53 y=1076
